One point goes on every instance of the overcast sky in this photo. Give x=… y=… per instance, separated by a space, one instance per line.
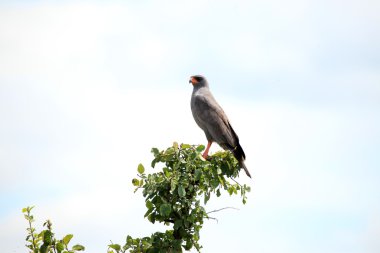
x=87 y=88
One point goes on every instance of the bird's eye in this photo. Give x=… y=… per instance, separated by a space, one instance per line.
x=198 y=78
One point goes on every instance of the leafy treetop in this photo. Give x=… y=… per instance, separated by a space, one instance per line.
x=172 y=195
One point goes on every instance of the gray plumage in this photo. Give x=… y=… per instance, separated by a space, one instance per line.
x=211 y=118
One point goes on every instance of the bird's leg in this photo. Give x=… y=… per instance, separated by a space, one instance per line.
x=205 y=154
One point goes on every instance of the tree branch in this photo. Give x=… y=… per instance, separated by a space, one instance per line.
x=221 y=209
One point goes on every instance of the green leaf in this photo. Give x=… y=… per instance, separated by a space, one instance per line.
x=152 y=218
x=207 y=197
x=154 y=162
x=141 y=169
x=230 y=190
x=185 y=146
x=146 y=245
x=155 y=151
x=175 y=145
x=197 y=174
x=181 y=191
x=47 y=237
x=189 y=245
x=66 y=240
x=177 y=224
x=165 y=210
x=135 y=182
x=169 y=151
x=148 y=212
x=149 y=204
x=60 y=247
x=200 y=148
x=173 y=185
x=78 y=247
x=215 y=183
x=129 y=240
x=44 y=248
x=167 y=172
x=116 y=247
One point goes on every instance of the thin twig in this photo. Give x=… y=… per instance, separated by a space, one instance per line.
x=212 y=218
x=236 y=182
x=221 y=209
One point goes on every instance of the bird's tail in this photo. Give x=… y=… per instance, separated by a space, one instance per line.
x=242 y=165
x=240 y=156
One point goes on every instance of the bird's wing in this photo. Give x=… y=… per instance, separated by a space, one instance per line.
x=213 y=119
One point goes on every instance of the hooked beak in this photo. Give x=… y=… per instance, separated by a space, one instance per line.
x=193 y=81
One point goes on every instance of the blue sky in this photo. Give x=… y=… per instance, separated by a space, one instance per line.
x=88 y=88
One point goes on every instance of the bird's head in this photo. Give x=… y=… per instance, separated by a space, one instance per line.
x=198 y=81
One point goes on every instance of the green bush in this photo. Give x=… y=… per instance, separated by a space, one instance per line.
x=45 y=241
x=173 y=196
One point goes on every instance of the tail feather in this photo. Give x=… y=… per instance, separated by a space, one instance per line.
x=240 y=156
x=242 y=165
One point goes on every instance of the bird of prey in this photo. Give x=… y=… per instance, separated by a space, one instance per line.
x=211 y=118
